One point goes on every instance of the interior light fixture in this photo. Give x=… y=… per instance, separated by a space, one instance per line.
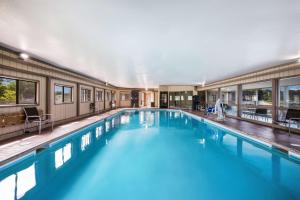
x=24 y=56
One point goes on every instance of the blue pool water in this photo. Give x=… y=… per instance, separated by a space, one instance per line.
x=152 y=155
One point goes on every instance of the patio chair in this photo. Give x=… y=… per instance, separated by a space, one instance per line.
x=32 y=116
x=291 y=115
x=261 y=112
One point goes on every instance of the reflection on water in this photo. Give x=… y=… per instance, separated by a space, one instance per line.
x=147 y=118
x=62 y=155
x=29 y=176
x=85 y=141
x=16 y=185
x=99 y=130
x=107 y=126
x=125 y=119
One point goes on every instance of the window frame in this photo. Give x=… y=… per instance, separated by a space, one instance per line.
x=63 y=92
x=124 y=94
x=82 y=98
x=96 y=96
x=17 y=104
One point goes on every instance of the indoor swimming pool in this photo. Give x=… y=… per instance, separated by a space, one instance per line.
x=152 y=154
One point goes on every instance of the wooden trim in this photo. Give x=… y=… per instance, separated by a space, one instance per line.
x=48 y=95
x=44 y=75
x=239 y=100
x=104 y=93
x=63 y=98
x=55 y=67
x=274 y=99
x=257 y=73
x=78 y=100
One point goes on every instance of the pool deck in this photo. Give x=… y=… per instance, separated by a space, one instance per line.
x=20 y=146
x=277 y=137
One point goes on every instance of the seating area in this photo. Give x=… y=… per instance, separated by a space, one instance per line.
x=32 y=115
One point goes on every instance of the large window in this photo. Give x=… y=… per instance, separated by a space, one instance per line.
x=125 y=97
x=229 y=98
x=86 y=95
x=27 y=92
x=180 y=99
x=63 y=94
x=257 y=101
x=99 y=95
x=212 y=96
x=8 y=91
x=289 y=98
x=13 y=91
x=108 y=96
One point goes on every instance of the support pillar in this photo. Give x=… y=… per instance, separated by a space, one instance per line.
x=274 y=99
x=78 y=100
x=239 y=100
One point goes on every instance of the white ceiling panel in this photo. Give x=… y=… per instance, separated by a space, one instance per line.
x=138 y=43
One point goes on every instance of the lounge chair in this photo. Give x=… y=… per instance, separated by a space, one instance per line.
x=261 y=112
x=291 y=115
x=32 y=116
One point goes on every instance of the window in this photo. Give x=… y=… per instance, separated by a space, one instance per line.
x=257 y=101
x=58 y=91
x=229 y=98
x=212 y=96
x=171 y=99
x=86 y=95
x=113 y=97
x=27 y=92
x=125 y=97
x=7 y=91
x=67 y=95
x=63 y=94
x=13 y=91
x=108 y=96
x=289 y=98
x=99 y=95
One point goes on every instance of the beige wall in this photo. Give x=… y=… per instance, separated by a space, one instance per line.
x=156 y=99
x=41 y=98
x=85 y=106
x=107 y=101
x=124 y=103
x=277 y=72
x=65 y=110
x=12 y=66
x=99 y=105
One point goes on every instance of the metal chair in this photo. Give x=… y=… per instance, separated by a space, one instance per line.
x=32 y=116
x=291 y=115
x=261 y=112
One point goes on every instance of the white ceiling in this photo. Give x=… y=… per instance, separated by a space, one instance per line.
x=136 y=43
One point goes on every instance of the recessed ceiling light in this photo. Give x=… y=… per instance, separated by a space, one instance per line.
x=24 y=56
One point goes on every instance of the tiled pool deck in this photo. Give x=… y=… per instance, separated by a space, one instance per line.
x=274 y=136
x=20 y=146
x=23 y=145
